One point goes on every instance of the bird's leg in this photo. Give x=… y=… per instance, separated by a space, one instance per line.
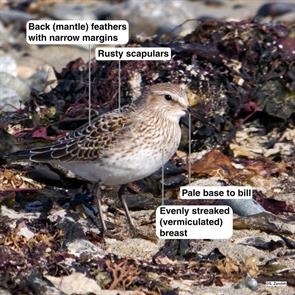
x=123 y=201
x=98 y=197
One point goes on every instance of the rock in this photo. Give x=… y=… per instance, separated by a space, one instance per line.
x=74 y=237
x=246 y=207
x=276 y=100
x=12 y=214
x=288 y=17
x=145 y=17
x=248 y=282
x=25 y=232
x=14 y=16
x=267 y=222
x=85 y=248
x=232 y=248
x=8 y=65
x=76 y=283
x=9 y=100
x=275 y=9
x=4 y=292
x=211 y=181
x=24 y=72
x=135 y=248
x=57 y=215
x=251 y=283
x=262 y=241
x=40 y=285
x=18 y=86
x=187 y=287
x=69 y=11
x=141 y=201
x=36 y=58
x=42 y=205
x=72 y=229
x=5 y=37
x=43 y=80
x=120 y=292
x=216 y=3
x=152 y=16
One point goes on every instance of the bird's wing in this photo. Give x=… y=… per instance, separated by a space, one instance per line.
x=86 y=143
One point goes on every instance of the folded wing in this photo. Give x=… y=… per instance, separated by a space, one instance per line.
x=86 y=143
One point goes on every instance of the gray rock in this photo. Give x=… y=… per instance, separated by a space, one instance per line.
x=263 y=241
x=43 y=80
x=152 y=16
x=251 y=283
x=233 y=248
x=25 y=232
x=5 y=37
x=14 y=215
x=248 y=282
x=148 y=17
x=85 y=248
x=133 y=248
x=76 y=283
x=13 y=89
x=245 y=207
x=4 y=292
x=9 y=99
x=267 y=222
x=72 y=230
x=288 y=17
x=8 y=65
x=40 y=285
x=275 y=9
x=69 y=11
x=15 y=16
x=144 y=16
x=74 y=237
x=120 y=292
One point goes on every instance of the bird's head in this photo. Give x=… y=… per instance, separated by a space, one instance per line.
x=169 y=100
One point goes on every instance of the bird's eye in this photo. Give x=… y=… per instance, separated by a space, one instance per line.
x=168 y=97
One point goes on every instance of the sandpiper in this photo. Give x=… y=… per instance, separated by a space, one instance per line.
x=123 y=145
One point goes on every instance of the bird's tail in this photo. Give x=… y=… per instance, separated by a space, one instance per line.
x=16 y=156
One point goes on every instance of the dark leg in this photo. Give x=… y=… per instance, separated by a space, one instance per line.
x=123 y=201
x=98 y=197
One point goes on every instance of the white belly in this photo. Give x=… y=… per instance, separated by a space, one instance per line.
x=119 y=171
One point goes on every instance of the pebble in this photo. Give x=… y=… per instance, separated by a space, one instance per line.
x=14 y=16
x=8 y=65
x=132 y=248
x=19 y=86
x=44 y=80
x=84 y=248
x=248 y=282
x=40 y=285
x=4 y=292
x=5 y=37
x=9 y=100
x=12 y=214
x=275 y=9
x=25 y=232
x=251 y=283
x=76 y=283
